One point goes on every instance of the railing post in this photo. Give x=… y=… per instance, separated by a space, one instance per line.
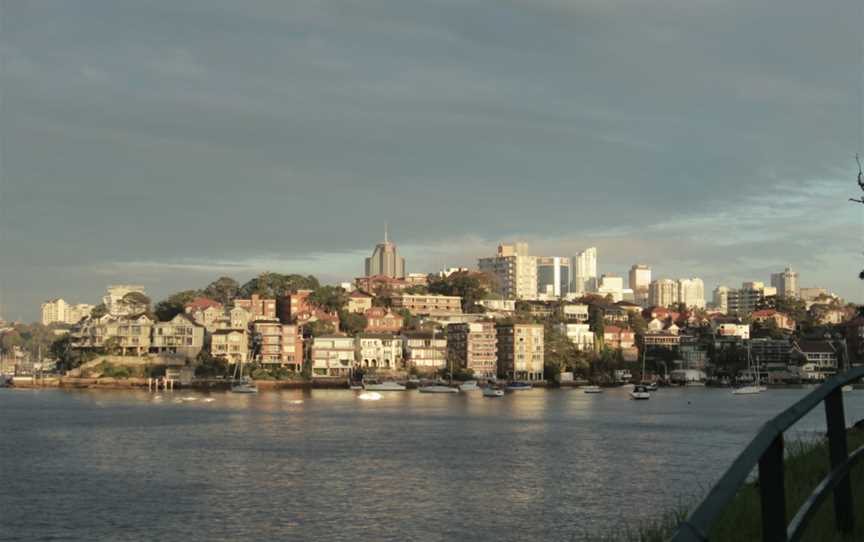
x=772 y=490
x=835 y=418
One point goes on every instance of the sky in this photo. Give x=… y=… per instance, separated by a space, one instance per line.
x=169 y=143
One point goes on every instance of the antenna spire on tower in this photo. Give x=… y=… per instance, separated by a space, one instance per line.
x=386 y=232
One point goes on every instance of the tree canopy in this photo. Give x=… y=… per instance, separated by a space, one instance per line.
x=329 y=298
x=175 y=304
x=224 y=290
x=471 y=287
x=274 y=285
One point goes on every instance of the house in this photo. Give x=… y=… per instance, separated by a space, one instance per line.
x=821 y=360
x=359 y=302
x=474 y=347
x=618 y=337
x=127 y=335
x=520 y=351
x=332 y=356
x=580 y=335
x=239 y=318
x=379 y=351
x=205 y=312
x=429 y=305
x=230 y=344
x=280 y=344
x=631 y=308
x=381 y=320
x=297 y=309
x=782 y=320
x=426 y=351
x=180 y=335
x=827 y=314
x=574 y=312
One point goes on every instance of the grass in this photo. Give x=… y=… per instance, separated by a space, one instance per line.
x=806 y=465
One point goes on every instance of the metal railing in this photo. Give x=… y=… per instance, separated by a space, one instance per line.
x=766 y=451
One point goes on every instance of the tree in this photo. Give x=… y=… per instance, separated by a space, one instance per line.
x=319 y=328
x=637 y=323
x=136 y=303
x=224 y=290
x=63 y=352
x=471 y=287
x=175 y=304
x=112 y=346
x=793 y=307
x=98 y=311
x=352 y=323
x=274 y=285
x=329 y=298
x=10 y=340
x=209 y=366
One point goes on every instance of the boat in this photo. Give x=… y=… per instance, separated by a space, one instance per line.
x=355 y=386
x=387 y=385
x=650 y=386
x=847 y=388
x=640 y=393
x=469 y=385
x=492 y=392
x=518 y=386
x=592 y=389
x=750 y=389
x=437 y=388
x=244 y=385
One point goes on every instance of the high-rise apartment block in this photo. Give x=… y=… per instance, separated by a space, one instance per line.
x=57 y=311
x=520 y=351
x=640 y=281
x=584 y=269
x=385 y=260
x=691 y=293
x=474 y=346
x=786 y=283
x=514 y=270
x=663 y=293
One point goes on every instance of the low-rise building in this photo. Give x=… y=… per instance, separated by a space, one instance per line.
x=359 y=302
x=504 y=306
x=618 y=337
x=520 y=351
x=232 y=345
x=381 y=320
x=428 y=304
x=377 y=283
x=580 y=335
x=296 y=308
x=180 y=335
x=821 y=360
x=575 y=312
x=206 y=312
x=426 y=351
x=258 y=307
x=124 y=335
x=474 y=346
x=333 y=356
x=380 y=351
x=782 y=320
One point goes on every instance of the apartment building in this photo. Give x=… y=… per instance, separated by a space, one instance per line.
x=58 y=311
x=426 y=351
x=579 y=334
x=474 y=346
x=428 y=304
x=124 y=335
x=297 y=309
x=332 y=356
x=258 y=307
x=180 y=335
x=119 y=302
x=520 y=351
x=230 y=344
x=514 y=270
x=280 y=344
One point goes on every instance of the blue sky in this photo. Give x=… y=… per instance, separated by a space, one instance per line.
x=168 y=143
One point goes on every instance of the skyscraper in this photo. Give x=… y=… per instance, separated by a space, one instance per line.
x=584 y=269
x=385 y=261
x=553 y=276
x=640 y=280
x=786 y=283
x=663 y=293
x=691 y=293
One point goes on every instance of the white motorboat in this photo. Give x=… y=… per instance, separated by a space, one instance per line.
x=519 y=386
x=244 y=385
x=437 y=388
x=469 y=385
x=387 y=385
x=640 y=393
x=748 y=390
x=592 y=389
x=492 y=392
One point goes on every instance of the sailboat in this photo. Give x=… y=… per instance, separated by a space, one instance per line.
x=641 y=392
x=751 y=389
x=240 y=383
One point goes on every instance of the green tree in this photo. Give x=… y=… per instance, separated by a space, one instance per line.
x=319 y=328
x=471 y=287
x=224 y=290
x=352 y=323
x=793 y=307
x=98 y=311
x=175 y=304
x=329 y=298
x=208 y=366
x=136 y=303
x=111 y=346
x=62 y=350
x=10 y=340
x=637 y=323
x=274 y=285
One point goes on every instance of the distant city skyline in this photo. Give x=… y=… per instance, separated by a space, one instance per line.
x=165 y=145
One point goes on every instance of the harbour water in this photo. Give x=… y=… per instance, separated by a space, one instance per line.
x=325 y=465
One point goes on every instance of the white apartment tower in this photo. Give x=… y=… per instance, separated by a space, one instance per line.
x=663 y=293
x=691 y=293
x=786 y=283
x=640 y=280
x=514 y=270
x=385 y=260
x=584 y=269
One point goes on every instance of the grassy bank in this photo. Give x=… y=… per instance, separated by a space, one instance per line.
x=806 y=465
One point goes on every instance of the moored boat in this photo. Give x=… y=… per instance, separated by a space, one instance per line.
x=592 y=389
x=437 y=388
x=748 y=390
x=387 y=385
x=492 y=392
x=244 y=385
x=518 y=386
x=469 y=385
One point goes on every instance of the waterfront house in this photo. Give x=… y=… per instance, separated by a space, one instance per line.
x=821 y=360
x=230 y=344
x=379 y=351
x=332 y=356
x=426 y=351
x=180 y=335
x=124 y=335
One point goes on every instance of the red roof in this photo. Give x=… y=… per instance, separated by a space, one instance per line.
x=765 y=313
x=202 y=303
